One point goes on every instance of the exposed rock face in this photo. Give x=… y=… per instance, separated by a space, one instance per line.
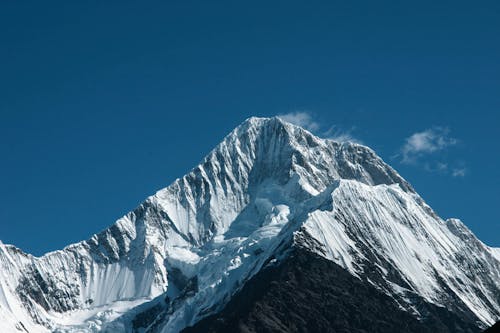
x=493 y=329
x=307 y=293
x=269 y=186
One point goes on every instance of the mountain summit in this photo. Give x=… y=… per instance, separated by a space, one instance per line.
x=274 y=221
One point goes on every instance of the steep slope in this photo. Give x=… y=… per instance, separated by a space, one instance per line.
x=493 y=329
x=392 y=237
x=269 y=185
x=307 y=293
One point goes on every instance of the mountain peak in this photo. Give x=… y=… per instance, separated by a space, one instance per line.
x=265 y=121
x=272 y=127
x=266 y=150
x=268 y=187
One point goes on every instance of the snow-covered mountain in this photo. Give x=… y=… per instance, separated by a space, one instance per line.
x=269 y=187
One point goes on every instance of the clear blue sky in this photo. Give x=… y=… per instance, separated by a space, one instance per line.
x=102 y=104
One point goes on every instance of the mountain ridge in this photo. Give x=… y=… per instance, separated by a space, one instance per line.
x=266 y=185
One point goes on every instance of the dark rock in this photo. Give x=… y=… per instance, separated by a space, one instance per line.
x=493 y=329
x=307 y=293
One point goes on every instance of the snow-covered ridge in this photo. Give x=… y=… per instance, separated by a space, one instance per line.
x=394 y=233
x=267 y=184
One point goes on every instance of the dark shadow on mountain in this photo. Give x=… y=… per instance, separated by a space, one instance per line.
x=493 y=329
x=307 y=293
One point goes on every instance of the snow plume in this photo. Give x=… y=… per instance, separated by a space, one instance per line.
x=336 y=133
x=302 y=119
x=306 y=120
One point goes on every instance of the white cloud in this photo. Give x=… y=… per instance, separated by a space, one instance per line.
x=433 y=166
x=426 y=149
x=302 y=119
x=427 y=142
x=459 y=172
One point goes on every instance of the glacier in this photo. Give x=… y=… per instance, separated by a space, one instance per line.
x=267 y=187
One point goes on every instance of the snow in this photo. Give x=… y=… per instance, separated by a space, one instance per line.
x=264 y=185
x=420 y=246
x=496 y=252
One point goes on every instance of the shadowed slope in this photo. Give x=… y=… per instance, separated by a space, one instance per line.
x=306 y=293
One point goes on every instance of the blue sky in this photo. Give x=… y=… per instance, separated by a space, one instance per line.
x=102 y=104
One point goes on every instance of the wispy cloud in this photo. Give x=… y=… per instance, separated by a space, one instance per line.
x=341 y=135
x=306 y=120
x=433 y=166
x=426 y=142
x=302 y=119
x=428 y=150
x=459 y=172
